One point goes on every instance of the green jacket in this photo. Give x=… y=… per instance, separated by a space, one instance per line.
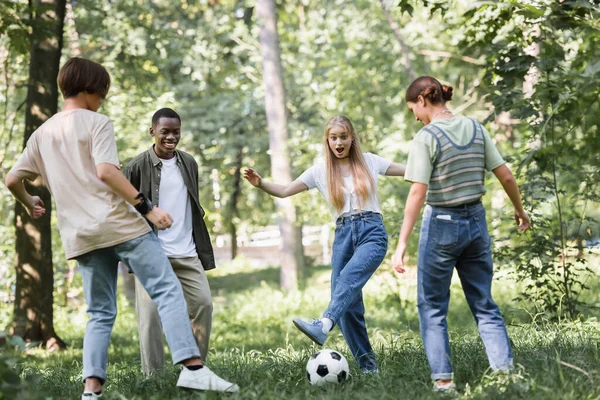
x=144 y=173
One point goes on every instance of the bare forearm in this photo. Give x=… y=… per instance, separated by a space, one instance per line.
x=114 y=178
x=17 y=188
x=274 y=189
x=414 y=203
x=512 y=190
x=508 y=182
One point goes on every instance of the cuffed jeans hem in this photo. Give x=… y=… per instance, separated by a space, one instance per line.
x=95 y=373
x=185 y=354
x=331 y=317
x=442 y=377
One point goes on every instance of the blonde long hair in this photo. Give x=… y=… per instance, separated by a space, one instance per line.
x=363 y=181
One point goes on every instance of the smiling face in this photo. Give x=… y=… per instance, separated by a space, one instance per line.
x=166 y=135
x=339 y=141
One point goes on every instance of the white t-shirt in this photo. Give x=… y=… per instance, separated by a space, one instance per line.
x=65 y=151
x=178 y=240
x=315 y=177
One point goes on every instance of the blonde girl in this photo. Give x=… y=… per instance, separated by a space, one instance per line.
x=348 y=182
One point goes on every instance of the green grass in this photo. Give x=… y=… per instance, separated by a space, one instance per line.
x=255 y=345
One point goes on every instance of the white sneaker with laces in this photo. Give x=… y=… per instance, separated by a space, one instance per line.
x=90 y=395
x=205 y=379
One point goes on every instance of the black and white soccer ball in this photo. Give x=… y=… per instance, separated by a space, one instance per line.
x=327 y=366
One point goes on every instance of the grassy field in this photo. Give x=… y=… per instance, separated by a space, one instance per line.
x=255 y=345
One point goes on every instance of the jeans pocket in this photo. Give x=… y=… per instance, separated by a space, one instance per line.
x=446 y=233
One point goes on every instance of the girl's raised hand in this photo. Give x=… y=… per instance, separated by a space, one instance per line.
x=253 y=177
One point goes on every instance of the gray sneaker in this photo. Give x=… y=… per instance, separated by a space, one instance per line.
x=312 y=329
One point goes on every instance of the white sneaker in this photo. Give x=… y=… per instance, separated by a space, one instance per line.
x=90 y=395
x=205 y=379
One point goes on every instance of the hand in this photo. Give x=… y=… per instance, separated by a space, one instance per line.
x=253 y=177
x=522 y=220
x=398 y=258
x=159 y=218
x=36 y=207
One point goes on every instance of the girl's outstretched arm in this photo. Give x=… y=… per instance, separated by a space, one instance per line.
x=281 y=191
x=396 y=169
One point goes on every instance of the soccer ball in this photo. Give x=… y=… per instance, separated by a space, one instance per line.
x=327 y=366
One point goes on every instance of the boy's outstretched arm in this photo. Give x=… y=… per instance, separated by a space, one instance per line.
x=509 y=184
x=274 y=189
x=33 y=204
x=114 y=178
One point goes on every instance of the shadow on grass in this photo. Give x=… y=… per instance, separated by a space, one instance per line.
x=243 y=281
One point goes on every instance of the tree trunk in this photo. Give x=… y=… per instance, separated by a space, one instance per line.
x=277 y=122
x=233 y=201
x=33 y=310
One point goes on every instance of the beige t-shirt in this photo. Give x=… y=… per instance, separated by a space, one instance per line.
x=64 y=151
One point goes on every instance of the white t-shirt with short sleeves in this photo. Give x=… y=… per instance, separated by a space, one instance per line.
x=316 y=177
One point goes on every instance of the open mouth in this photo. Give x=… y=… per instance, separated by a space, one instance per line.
x=339 y=150
x=170 y=145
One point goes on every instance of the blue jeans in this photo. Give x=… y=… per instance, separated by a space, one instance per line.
x=462 y=242
x=359 y=247
x=146 y=259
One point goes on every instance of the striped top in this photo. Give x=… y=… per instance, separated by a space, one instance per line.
x=458 y=171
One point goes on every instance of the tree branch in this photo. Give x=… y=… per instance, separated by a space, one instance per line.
x=403 y=47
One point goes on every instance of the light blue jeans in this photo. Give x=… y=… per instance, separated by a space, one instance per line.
x=359 y=247
x=463 y=242
x=146 y=259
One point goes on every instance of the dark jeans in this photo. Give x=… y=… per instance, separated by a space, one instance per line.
x=463 y=242
x=359 y=247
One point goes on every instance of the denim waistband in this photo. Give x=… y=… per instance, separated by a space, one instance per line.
x=462 y=206
x=464 y=211
x=354 y=217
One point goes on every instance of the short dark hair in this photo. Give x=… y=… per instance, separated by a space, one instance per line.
x=164 y=113
x=82 y=75
x=430 y=88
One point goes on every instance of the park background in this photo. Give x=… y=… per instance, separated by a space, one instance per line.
x=254 y=83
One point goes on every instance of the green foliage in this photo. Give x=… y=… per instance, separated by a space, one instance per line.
x=553 y=48
x=12 y=386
